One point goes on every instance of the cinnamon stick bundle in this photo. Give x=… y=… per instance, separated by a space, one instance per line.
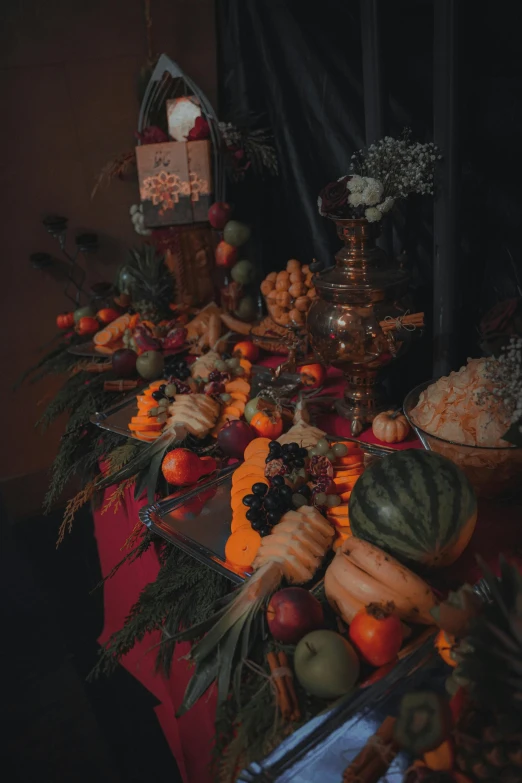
x=373 y=760
x=119 y=386
x=282 y=678
x=413 y=320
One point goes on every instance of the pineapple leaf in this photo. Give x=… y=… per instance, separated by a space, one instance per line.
x=226 y=654
x=245 y=650
x=234 y=614
x=200 y=681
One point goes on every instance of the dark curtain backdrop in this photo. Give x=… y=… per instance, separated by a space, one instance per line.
x=296 y=67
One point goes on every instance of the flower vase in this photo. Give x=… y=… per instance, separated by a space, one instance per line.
x=364 y=288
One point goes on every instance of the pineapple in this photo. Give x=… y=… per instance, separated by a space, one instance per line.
x=488 y=732
x=149 y=282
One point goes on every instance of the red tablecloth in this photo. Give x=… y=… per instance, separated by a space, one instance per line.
x=190 y=737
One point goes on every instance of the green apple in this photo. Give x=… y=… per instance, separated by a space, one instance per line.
x=150 y=365
x=326 y=665
x=243 y=272
x=81 y=312
x=236 y=233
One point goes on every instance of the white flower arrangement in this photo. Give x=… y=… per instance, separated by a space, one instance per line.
x=138 y=221
x=389 y=170
x=505 y=376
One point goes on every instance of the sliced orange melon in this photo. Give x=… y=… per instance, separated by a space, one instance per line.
x=232 y=410
x=238 y=524
x=255 y=446
x=241 y=547
x=144 y=427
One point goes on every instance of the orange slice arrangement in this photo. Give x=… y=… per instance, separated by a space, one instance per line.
x=243 y=542
x=143 y=426
x=347 y=470
x=239 y=390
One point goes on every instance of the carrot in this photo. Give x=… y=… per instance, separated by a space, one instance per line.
x=113 y=330
x=338 y=511
x=241 y=547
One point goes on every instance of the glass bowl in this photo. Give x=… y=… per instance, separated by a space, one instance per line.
x=493 y=471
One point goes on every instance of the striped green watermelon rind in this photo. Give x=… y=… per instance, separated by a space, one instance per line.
x=413 y=504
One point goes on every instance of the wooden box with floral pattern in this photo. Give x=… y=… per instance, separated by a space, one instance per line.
x=175 y=182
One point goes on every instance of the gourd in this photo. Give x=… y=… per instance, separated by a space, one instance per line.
x=390 y=427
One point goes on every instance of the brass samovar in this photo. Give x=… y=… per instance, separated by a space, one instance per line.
x=364 y=288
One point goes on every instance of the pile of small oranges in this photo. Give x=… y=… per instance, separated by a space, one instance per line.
x=289 y=294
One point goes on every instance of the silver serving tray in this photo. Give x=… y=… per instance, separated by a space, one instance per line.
x=198 y=522
x=89 y=349
x=117 y=417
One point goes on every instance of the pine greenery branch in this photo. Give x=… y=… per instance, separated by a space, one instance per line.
x=183 y=594
x=55 y=361
x=146 y=541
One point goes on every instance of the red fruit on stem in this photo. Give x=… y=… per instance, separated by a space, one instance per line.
x=377 y=633
x=247 y=350
x=181 y=466
x=234 y=437
x=219 y=215
x=312 y=375
x=292 y=613
x=87 y=325
x=124 y=363
x=226 y=255
x=107 y=315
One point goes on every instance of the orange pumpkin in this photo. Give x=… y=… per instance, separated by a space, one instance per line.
x=390 y=427
x=65 y=320
x=267 y=424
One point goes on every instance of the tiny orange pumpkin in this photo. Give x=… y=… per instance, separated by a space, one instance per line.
x=65 y=321
x=390 y=427
x=267 y=424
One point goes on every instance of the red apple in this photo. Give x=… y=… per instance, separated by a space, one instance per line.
x=312 y=375
x=124 y=363
x=219 y=215
x=226 y=255
x=234 y=437
x=292 y=613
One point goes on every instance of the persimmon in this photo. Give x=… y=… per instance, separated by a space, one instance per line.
x=267 y=424
x=377 y=633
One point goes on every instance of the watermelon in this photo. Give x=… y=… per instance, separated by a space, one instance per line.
x=417 y=505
